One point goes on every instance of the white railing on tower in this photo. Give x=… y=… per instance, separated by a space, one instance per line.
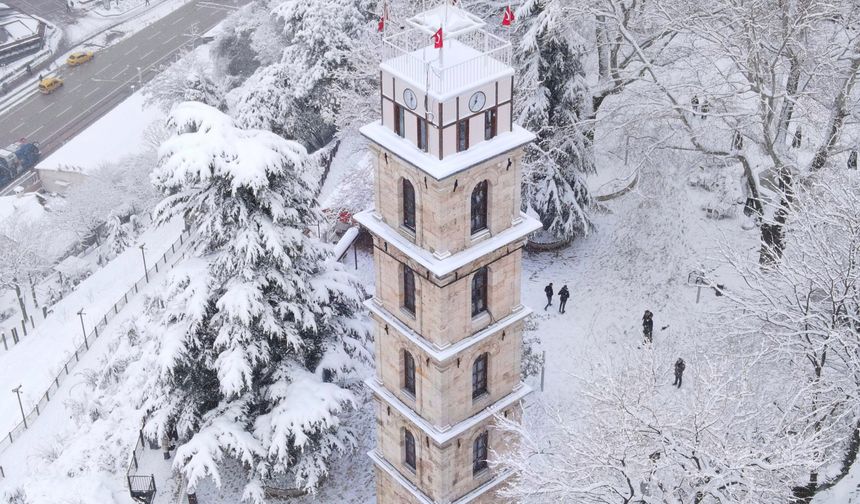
x=411 y=54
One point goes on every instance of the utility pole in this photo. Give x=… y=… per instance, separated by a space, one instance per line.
x=145 y=269
x=83 y=330
x=17 y=391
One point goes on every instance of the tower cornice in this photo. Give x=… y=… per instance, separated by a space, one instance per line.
x=443 y=266
x=445 y=434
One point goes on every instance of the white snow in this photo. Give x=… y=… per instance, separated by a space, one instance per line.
x=35 y=361
x=117 y=134
x=454 y=163
x=16 y=211
x=453 y=20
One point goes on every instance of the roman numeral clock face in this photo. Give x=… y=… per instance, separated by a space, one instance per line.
x=477 y=101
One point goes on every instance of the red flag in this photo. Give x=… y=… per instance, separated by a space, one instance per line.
x=381 y=25
x=509 y=17
x=437 y=39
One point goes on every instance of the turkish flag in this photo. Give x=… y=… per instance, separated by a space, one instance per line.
x=509 y=17
x=381 y=25
x=437 y=39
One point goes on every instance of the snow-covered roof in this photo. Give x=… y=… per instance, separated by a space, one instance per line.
x=453 y=20
x=452 y=164
x=441 y=354
x=449 y=71
x=416 y=492
x=446 y=265
x=447 y=433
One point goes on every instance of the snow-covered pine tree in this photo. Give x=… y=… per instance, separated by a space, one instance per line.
x=261 y=326
x=199 y=87
x=299 y=97
x=556 y=97
x=118 y=236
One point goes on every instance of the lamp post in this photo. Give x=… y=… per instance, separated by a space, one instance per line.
x=145 y=269
x=17 y=391
x=83 y=330
x=139 y=77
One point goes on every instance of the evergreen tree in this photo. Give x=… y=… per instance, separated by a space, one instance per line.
x=199 y=87
x=300 y=96
x=118 y=236
x=556 y=97
x=260 y=325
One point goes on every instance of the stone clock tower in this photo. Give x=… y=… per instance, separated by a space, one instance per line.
x=448 y=236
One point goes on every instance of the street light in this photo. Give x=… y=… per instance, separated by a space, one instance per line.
x=17 y=390
x=145 y=269
x=139 y=77
x=83 y=330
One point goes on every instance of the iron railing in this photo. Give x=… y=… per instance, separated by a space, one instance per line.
x=161 y=264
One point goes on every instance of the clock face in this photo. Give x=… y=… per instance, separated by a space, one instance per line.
x=409 y=99
x=477 y=101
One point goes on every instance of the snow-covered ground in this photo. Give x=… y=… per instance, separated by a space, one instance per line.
x=37 y=359
x=119 y=133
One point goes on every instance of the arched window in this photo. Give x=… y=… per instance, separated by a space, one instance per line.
x=479 y=453
x=408 y=372
x=409 y=289
x=479 y=292
x=409 y=450
x=479 y=376
x=408 y=205
x=479 y=207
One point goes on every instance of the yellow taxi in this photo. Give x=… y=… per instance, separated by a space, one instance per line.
x=50 y=84
x=79 y=58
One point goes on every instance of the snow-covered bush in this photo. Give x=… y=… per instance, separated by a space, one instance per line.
x=260 y=327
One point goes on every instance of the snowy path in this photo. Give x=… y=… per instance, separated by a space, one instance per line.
x=36 y=360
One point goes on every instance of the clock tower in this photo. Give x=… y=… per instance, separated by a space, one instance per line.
x=448 y=237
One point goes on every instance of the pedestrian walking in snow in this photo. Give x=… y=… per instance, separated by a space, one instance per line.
x=563 y=294
x=549 y=292
x=705 y=107
x=694 y=102
x=29 y=70
x=679 y=371
x=648 y=326
x=852 y=160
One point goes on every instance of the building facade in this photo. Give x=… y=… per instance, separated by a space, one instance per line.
x=448 y=235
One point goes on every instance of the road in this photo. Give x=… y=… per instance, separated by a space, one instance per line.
x=92 y=89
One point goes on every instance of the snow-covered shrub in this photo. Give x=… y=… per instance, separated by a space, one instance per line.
x=261 y=327
x=532 y=361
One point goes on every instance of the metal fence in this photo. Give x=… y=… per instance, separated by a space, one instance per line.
x=89 y=338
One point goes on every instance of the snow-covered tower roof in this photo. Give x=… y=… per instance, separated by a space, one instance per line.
x=469 y=55
x=441 y=103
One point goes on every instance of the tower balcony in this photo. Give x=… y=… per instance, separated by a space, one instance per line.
x=469 y=57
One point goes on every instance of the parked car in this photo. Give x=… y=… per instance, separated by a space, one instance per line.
x=79 y=58
x=50 y=84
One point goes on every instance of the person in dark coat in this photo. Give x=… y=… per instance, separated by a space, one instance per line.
x=679 y=371
x=563 y=294
x=648 y=326
x=549 y=292
x=694 y=102
x=852 y=160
